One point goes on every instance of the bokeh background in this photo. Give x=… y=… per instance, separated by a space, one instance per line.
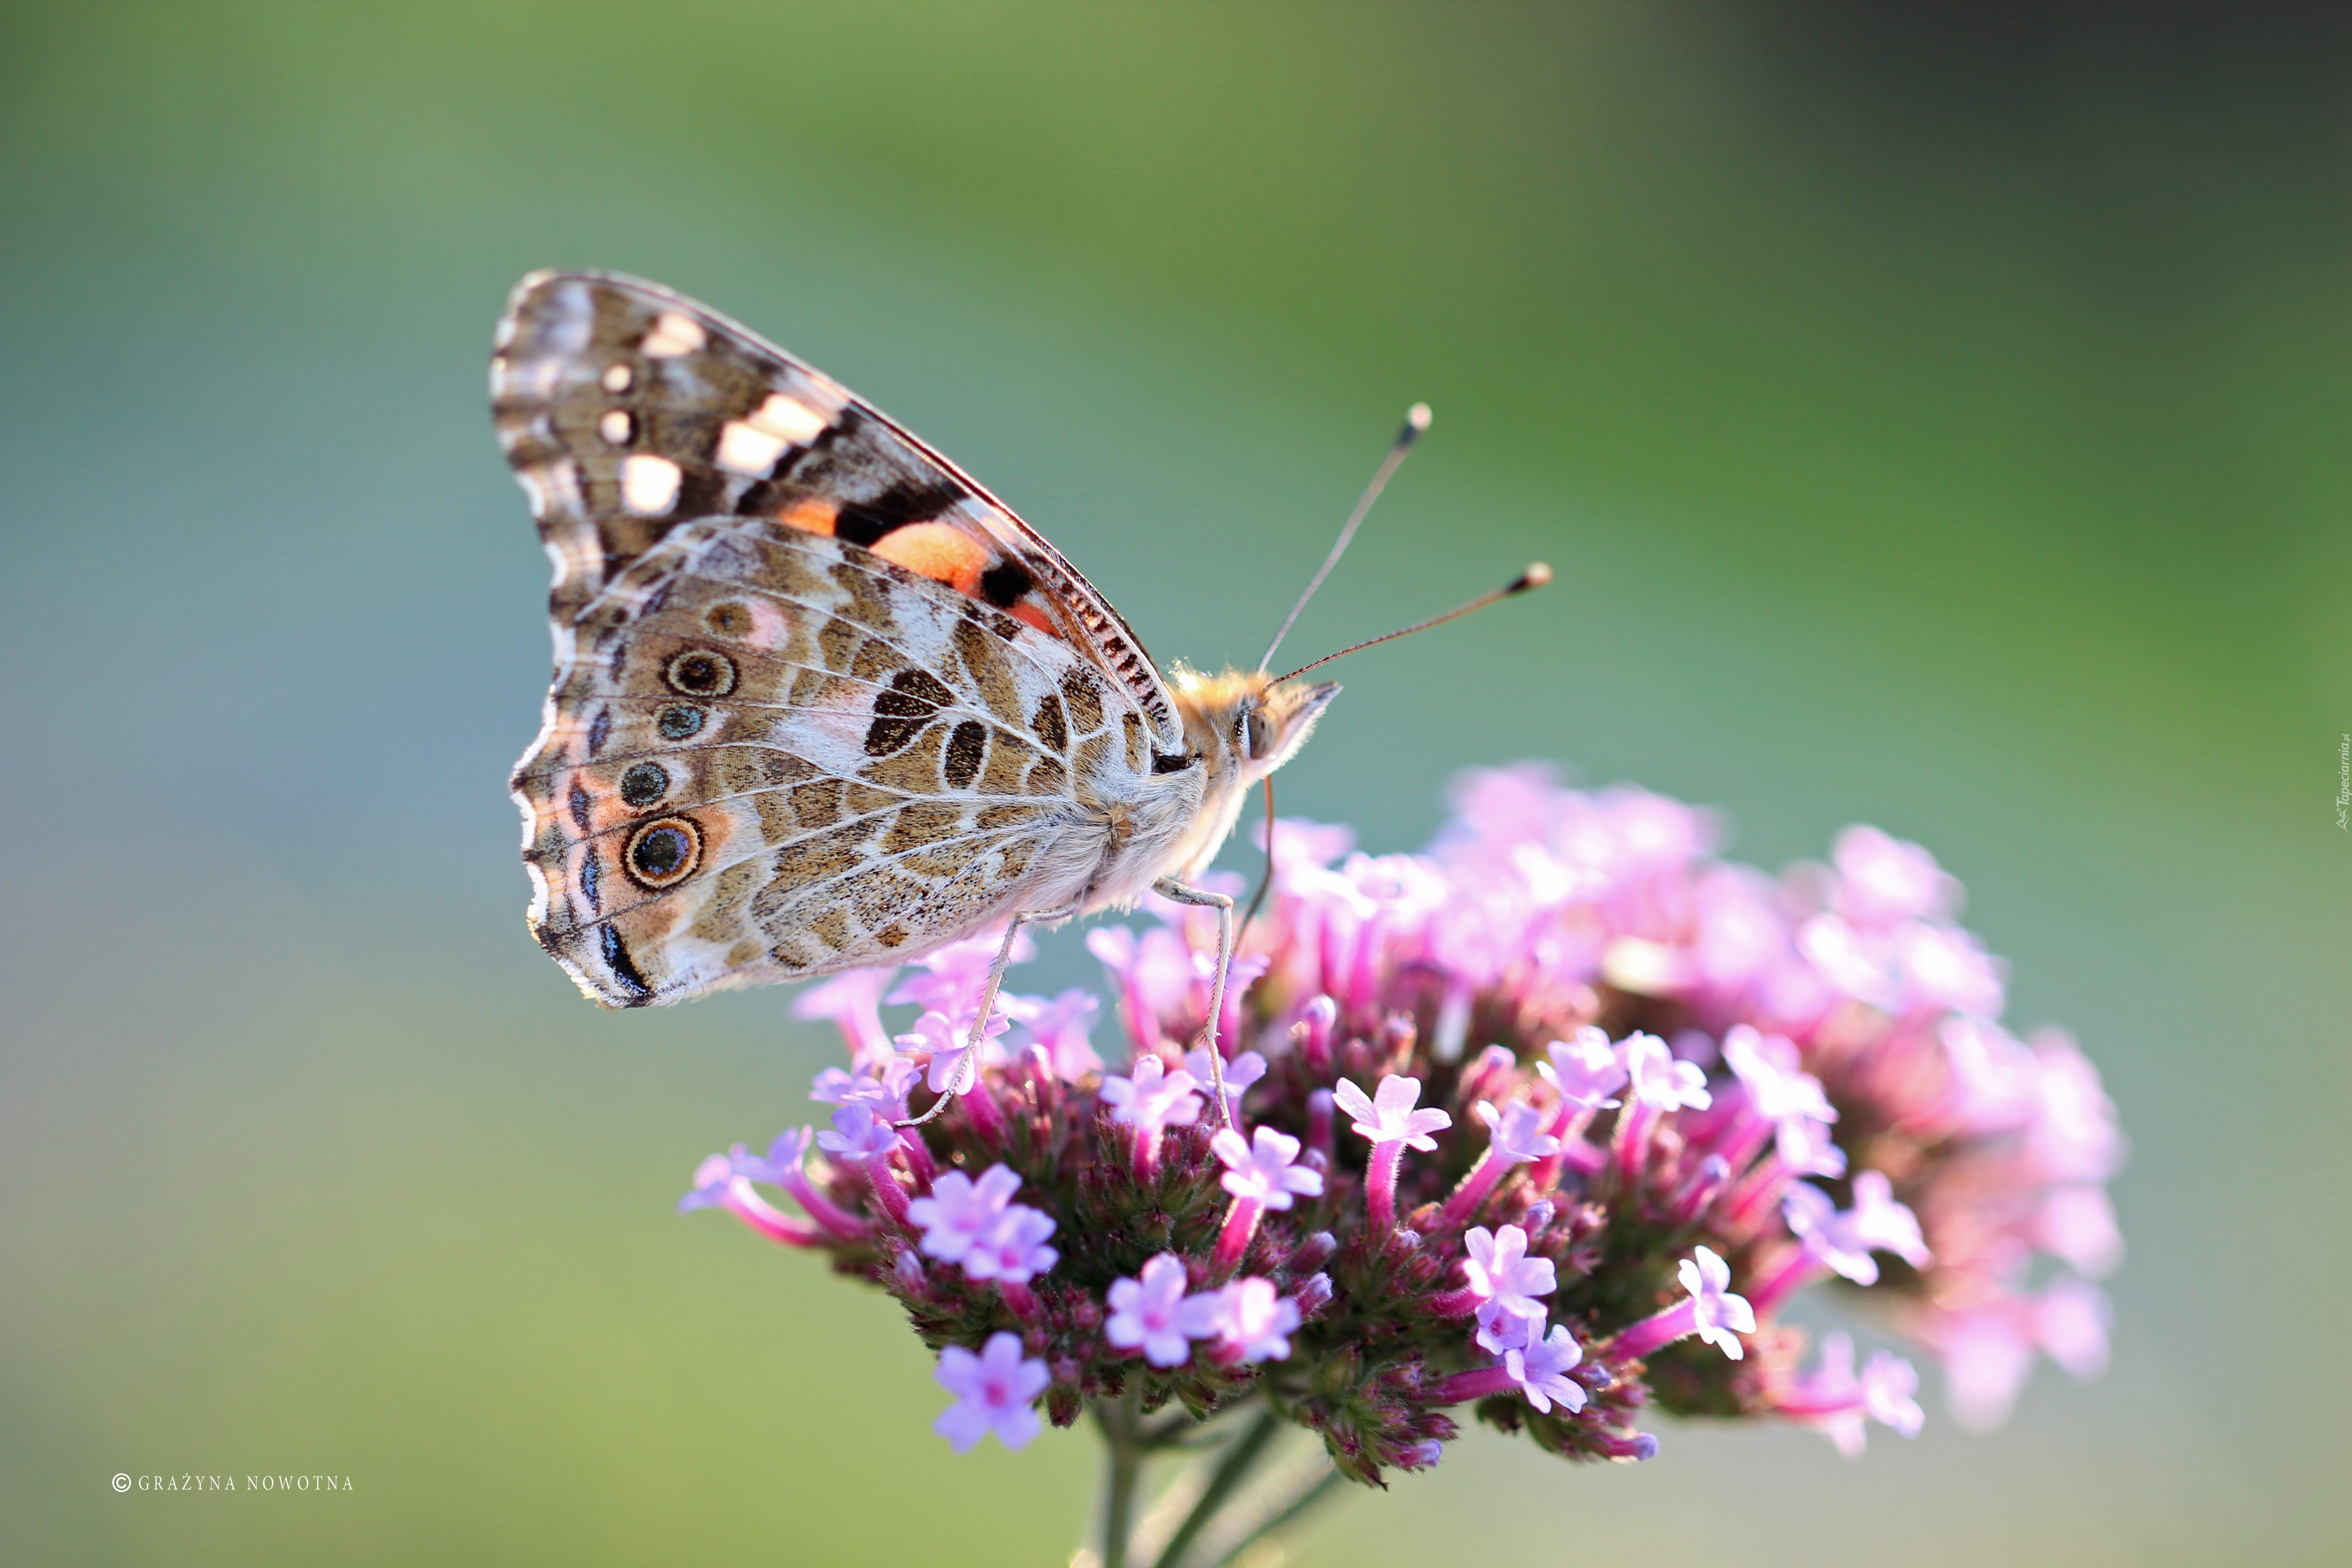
x=1936 y=420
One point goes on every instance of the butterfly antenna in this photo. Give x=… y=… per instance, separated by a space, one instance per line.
x=1535 y=577
x=1416 y=420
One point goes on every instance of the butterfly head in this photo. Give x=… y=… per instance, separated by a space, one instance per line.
x=1245 y=723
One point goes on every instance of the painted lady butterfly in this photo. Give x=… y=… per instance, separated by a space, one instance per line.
x=820 y=700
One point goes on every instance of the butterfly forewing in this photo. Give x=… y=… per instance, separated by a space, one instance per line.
x=819 y=701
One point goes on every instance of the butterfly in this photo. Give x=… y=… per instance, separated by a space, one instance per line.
x=821 y=701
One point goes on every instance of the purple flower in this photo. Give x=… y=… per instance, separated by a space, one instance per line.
x=1806 y=1148
x=882 y=1086
x=993 y=1391
x=1778 y=1089
x=1945 y=969
x=1060 y=1028
x=1889 y=1384
x=1252 y=1322
x=1832 y=1398
x=858 y=1134
x=1718 y=1316
x=1261 y=1171
x=1585 y=1071
x=952 y=979
x=1012 y=1249
x=1505 y=1282
x=1151 y=1098
x=944 y=1040
x=2073 y=1135
x=961 y=1211
x=2070 y=1321
x=715 y=1178
x=1515 y=1133
x=852 y=1001
x=1877 y=1222
x=1152 y=1313
x=1240 y=1073
x=1658 y=1080
x=1883 y=880
x=1391 y=1118
x=1812 y=1218
x=1541 y=1368
x=2078 y=1225
x=1987 y=1352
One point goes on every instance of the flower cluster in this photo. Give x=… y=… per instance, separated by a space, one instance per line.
x=1546 y=1123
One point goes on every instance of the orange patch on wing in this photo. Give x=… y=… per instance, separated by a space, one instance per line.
x=810 y=516
x=940 y=551
x=1030 y=615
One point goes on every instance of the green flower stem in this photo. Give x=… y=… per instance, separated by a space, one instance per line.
x=1125 y=1445
x=1233 y=1466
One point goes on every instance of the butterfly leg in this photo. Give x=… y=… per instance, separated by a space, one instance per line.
x=1169 y=888
x=968 y=1069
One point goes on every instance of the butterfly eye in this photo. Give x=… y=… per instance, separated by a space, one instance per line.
x=1261 y=735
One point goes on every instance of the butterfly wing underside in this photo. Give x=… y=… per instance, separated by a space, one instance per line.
x=819 y=700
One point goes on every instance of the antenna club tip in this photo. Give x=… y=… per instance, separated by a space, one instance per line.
x=1416 y=421
x=1535 y=577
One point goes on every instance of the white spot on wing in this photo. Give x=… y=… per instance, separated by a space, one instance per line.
x=788 y=420
x=615 y=426
x=649 y=484
x=617 y=378
x=743 y=449
x=674 y=334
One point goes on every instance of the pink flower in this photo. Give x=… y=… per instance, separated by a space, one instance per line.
x=2070 y=1321
x=1778 y=1089
x=1878 y=1222
x=858 y=1134
x=1945 y=969
x=960 y=1211
x=1586 y=1070
x=1541 y=1368
x=881 y=1085
x=1391 y=1118
x=992 y=1391
x=1516 y=1132
x=1153 y=1315
x=943 y=1039
x=1505 y=1282
x=1261 y=1171
x=1252 y=1322
x=2078 y=1224
x=1883 y=881
x=1240 y=1073
x=952 y=979
x=1151 y=1098
x=1012 y=1249
x=852 y=1001
x=1718 y=1316
x=1658 y=1080
x=1832 y=1399
x=1393 y=1124
x=1812 y=1218
x=1060 y=1028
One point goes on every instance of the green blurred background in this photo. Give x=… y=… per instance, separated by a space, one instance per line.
x=1935 y=422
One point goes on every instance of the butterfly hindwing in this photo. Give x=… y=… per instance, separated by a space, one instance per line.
x=771 y=754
